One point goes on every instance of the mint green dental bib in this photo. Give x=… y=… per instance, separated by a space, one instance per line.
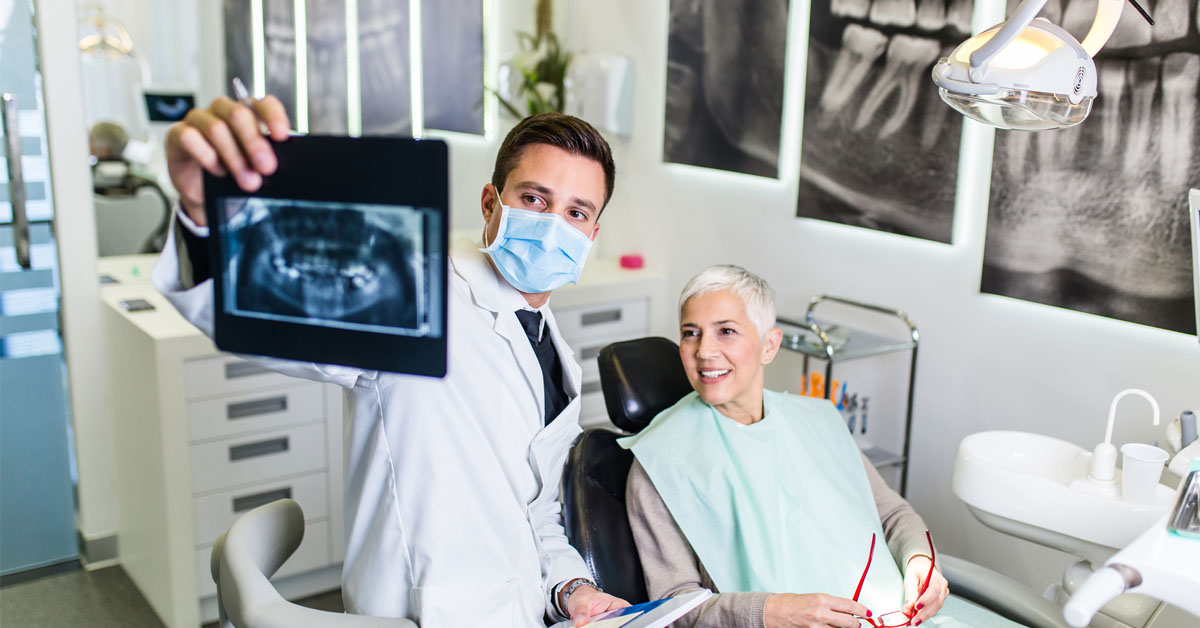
x=782 y=505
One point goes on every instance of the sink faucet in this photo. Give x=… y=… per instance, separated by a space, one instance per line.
x=1104 y=457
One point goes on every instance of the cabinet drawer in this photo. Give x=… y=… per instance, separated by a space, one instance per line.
x=216 y=512
x=622 y=319
x=313 y=553
x=249 y=459
x=591 y=403
x=255 y=411
x=225 y=374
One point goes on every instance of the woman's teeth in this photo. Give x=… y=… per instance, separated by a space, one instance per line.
x=711 y=374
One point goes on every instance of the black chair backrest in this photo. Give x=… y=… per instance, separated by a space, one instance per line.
x=640 y=378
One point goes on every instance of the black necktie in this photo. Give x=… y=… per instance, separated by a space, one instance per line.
x=543 y=347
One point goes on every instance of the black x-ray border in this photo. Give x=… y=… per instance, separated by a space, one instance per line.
x=379 y=170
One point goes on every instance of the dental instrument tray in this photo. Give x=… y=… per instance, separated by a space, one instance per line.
x=340 y=257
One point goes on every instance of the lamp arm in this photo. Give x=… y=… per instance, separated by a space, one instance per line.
x=1108 y=13
x=1013 y=27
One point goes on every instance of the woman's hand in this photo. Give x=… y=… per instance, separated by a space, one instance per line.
x=223 y=139
x=587 y=602
x=812 y=610
x=925 y=605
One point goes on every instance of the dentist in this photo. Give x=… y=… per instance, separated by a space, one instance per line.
x=451 y=502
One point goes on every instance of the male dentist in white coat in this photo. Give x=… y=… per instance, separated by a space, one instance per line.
x=452 y=512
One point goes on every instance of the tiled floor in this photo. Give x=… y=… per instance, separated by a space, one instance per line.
x=105 y=598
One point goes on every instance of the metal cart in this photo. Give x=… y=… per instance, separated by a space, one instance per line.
x=861 y=344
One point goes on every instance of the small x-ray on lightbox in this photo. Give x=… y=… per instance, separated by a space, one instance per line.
x=340 y=258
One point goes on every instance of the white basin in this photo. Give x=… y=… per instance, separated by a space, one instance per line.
x=1037 y=488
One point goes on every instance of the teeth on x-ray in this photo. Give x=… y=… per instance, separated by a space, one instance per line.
x=907 y=64
x=958 y=15
x=1112 y=84
x=1181 y=76
x=344 y=265
x=1143 y=75
x=931 y=16
x=1170 y=20
x=861 y=46
x=894 y=12
x=850 y=8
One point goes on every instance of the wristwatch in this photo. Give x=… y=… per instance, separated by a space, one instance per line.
x=564 y=594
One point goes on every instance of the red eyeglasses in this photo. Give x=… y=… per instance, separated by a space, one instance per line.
x=894 y=619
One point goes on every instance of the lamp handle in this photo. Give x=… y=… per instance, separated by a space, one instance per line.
x=1108 y=13
x=1013 y=27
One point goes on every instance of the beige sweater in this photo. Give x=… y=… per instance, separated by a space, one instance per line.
x=672 y=567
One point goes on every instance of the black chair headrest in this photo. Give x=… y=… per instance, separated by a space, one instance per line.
x=641 y=378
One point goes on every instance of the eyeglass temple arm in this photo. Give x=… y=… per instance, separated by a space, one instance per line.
x=863 y=578
x=932 y=562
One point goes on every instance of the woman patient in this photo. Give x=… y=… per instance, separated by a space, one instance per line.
x=763 y=497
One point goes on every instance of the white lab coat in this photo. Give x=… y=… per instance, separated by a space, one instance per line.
x=451 y=504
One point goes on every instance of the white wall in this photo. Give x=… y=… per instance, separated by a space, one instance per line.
x=986 y=362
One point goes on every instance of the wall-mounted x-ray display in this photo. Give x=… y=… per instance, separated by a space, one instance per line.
x=724 y=102
x=279 y=46
x=452 y=47
x=1093 y=218
x=340 y=258
x=326 y=61
x=346 y=66
x=384 y=62
x=880 y=148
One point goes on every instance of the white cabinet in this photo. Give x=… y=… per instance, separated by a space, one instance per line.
x=201 y=437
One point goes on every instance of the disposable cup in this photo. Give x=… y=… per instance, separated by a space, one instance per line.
x=1141 y=466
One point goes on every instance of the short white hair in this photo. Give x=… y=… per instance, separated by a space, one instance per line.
x=755 y=293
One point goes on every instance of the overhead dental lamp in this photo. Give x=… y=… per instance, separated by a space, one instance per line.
x=1028 y=74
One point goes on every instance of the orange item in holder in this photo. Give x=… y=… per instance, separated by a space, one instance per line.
x=816 y=385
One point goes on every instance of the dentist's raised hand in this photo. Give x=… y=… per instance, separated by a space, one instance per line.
x=917 y=605
x=224 y=139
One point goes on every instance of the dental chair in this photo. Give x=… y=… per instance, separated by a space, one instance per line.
x=641 y=378
x=245 y=557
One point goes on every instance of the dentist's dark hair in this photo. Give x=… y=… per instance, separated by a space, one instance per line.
x=560 y=130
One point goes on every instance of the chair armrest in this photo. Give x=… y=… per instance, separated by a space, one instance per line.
x=1000 y=594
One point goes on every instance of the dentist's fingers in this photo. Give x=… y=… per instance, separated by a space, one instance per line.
x=219 y=135
x=272 y=114
x=243 y=122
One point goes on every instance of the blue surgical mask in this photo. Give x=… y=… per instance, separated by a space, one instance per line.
x=537 y=252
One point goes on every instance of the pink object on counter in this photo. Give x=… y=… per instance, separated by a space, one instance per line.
x=632 y=261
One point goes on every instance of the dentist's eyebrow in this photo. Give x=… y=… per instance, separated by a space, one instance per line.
x=584 y=203
x=536 y=187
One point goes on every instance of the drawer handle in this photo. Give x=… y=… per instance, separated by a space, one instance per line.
x=234 y=370
x=261 y=448
x=256 y=407
x=589 y=353
x=250 y=502
x=590 y=387
x=603 y=316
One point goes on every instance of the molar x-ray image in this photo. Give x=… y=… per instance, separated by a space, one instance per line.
x=880 y=148
x=724 y=102
x=355 y=266
x=1093 y=218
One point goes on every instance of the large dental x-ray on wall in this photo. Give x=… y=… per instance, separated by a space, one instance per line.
x=725 y=73
x=880 y=148
x=357 y=64
x=1093 y=217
